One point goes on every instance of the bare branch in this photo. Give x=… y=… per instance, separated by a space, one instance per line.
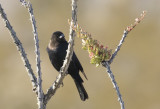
x=51 y=91
x=118 y=47
x=115 y=85
x=20 y=49
x=126 y=31
x=107 y=63
x=37 y=51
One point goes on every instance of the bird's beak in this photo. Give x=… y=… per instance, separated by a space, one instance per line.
x=62 y=36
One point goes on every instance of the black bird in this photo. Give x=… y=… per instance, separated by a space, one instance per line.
x=57 y=51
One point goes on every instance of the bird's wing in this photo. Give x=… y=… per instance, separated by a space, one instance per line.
x=54 y=59
x=78 y=64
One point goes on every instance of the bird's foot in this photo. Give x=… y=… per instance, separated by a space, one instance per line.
x=62 y=84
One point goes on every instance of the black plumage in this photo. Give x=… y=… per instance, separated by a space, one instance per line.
x=57 y=51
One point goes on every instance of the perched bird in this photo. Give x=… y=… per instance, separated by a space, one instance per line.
x=57 y=51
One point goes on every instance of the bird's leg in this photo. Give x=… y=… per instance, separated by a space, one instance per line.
x=65 y=75
x=62 y=84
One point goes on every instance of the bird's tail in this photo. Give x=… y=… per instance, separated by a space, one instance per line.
x=82 y=92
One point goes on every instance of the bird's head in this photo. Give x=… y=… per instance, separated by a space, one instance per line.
x=56 y=38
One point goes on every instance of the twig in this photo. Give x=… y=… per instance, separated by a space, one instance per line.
x=115 y=85
x=51 y=91
x=118 y=47
x=20 y=49
x=37 y=51
x=126 y=31
x=107 y=63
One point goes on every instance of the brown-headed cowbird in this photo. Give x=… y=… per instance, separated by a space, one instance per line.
x=57 y=51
